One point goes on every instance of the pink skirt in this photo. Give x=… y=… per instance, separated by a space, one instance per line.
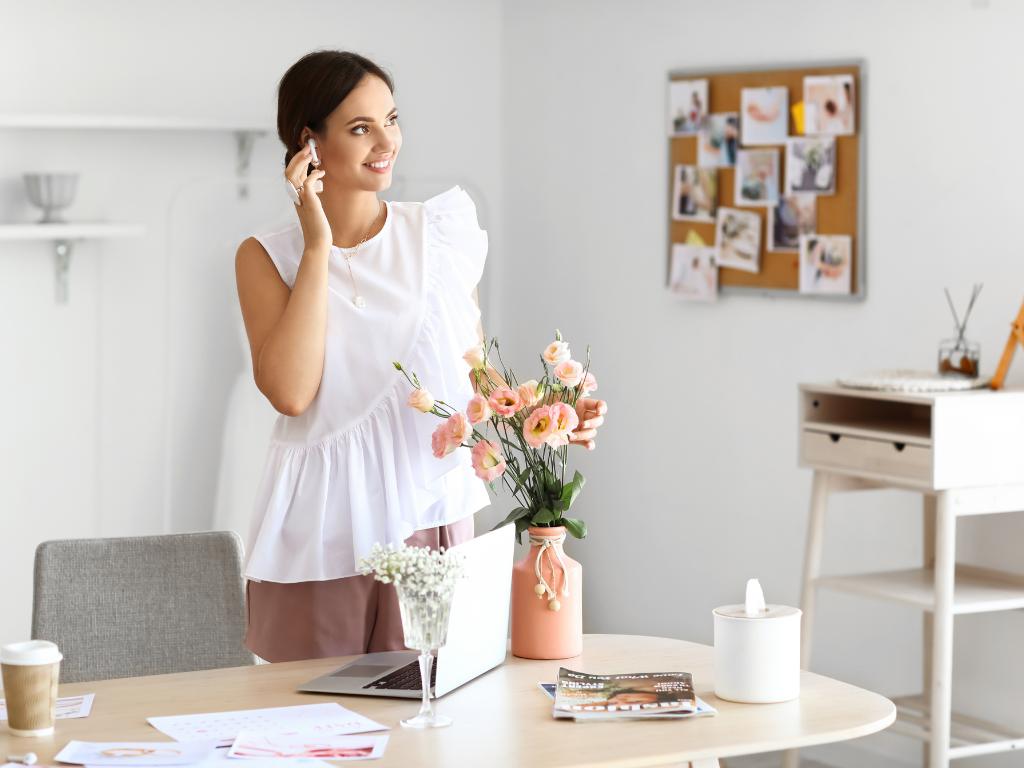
x=338 y=617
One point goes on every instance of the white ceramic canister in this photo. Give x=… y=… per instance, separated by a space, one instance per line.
x=757 y=650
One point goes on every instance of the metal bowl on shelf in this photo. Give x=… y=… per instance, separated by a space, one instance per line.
x=51 y=192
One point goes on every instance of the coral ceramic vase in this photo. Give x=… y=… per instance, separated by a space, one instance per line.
x=547 y=599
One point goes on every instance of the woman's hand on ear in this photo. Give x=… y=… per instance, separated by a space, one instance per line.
x=316 y=230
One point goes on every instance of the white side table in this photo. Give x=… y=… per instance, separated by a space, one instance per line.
x=964 y=452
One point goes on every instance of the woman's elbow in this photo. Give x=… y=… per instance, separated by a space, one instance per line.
x=289 y=407
x=286 y=403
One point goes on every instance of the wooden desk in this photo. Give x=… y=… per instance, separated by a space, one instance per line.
x=502 y=718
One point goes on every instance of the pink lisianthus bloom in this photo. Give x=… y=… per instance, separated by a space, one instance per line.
x=475 y=357
x=478 y=409
x=569 y=372
x=488 y=460
x=538 y=426
x=505 y=401
x=439 y=441
x=457 y=429
x=530 y=393
x=556 y=352
x=564 y=420
x=421 y=400
x=589 y=384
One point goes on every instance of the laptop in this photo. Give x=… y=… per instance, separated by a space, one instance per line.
x=477 y=632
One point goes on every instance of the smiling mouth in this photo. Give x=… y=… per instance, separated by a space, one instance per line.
x=380 y=165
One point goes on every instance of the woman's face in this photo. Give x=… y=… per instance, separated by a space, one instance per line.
x=363 y=129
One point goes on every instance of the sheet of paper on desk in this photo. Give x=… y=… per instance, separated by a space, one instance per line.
x=223 y=727
x=220 y=759
x=134 y=753
x=257 y=745
x=67 y=707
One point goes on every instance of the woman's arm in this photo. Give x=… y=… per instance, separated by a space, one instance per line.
x=286 y=328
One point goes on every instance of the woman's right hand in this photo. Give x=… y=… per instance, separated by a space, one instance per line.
x=316 y=230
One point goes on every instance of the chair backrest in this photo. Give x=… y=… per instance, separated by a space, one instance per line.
x=141 y=605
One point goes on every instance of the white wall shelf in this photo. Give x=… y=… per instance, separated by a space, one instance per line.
x=63 y=236
x=126 y=123
x=72 y=230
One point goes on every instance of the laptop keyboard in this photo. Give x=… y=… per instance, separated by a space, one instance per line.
x=405 y=678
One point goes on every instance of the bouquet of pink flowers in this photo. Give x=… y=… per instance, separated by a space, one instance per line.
x=519 y=432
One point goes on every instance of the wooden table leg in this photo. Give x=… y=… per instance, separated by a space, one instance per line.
x=812 y=569
x=812 y=562
x=942 y=640
x=928 y=561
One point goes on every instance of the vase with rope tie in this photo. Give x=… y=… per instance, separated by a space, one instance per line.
x=547 y=599
x=519 y=434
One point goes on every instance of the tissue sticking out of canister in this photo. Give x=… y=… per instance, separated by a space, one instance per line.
x=754 y=604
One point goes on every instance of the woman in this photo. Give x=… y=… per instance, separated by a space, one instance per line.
x=328 y=304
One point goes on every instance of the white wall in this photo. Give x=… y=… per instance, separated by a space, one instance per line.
x=116 y=401
x=694 y=486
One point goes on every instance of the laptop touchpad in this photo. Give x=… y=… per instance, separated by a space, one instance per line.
x=362 y=670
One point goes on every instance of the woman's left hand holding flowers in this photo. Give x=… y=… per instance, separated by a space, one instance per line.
x=591 y=413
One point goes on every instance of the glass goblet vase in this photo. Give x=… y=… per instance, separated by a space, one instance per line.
x=425 y=624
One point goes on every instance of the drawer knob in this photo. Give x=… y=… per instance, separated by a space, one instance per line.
x=834 y=436
x=899 y=446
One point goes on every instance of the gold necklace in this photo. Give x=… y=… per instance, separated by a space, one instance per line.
x=357 y=299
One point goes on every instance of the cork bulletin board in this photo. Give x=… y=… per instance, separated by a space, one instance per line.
x=839 y=213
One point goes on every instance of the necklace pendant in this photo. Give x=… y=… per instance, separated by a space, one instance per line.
x=359 y=301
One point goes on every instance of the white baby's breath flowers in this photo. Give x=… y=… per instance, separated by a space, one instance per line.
x=417 y=570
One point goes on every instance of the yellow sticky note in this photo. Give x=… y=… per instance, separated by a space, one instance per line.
x=797 y=110
x=692 y=238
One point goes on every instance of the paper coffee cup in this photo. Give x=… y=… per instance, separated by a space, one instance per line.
x=31 y=671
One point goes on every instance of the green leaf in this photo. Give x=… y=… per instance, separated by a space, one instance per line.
x=515 y=514
x=551 y=484
x=521 y=525
x=576 y=527
x=569 y=492
x=544 y=516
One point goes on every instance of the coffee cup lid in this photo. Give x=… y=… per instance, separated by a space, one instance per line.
x=30 y=652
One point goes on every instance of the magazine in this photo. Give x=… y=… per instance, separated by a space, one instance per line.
x=703 y=708
x=642 y=695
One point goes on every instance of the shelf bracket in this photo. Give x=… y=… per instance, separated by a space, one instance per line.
x=244 y=141
x=62 y=267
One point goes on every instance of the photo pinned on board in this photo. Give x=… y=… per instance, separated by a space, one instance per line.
x=829 y=105
x=765 y=115
x=718 y=140
x=825 y=264
x=757 y=177
x=811 y=166
x=738 y=239
x=693 y=273
x=687 y=106
x=795 y=215
x=695 y=193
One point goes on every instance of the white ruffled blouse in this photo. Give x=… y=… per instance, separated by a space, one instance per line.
x=356 y=466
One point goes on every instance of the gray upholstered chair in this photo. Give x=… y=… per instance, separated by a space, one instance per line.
x=142 y=605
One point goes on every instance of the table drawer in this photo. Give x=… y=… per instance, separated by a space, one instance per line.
x=879 y=457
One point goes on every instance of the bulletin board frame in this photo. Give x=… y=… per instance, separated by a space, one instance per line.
x=780 y=270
